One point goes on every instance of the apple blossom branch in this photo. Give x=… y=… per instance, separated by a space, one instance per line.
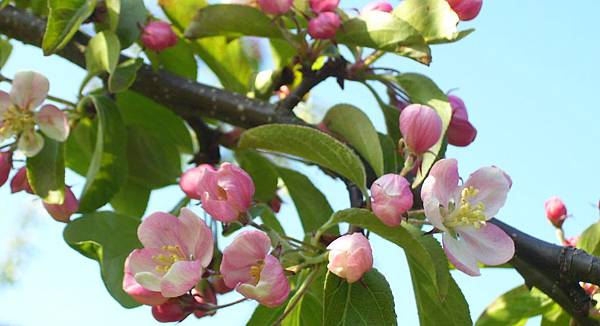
x=553 y=269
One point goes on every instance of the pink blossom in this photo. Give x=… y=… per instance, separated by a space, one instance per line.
x=138 y=292
x=462 y=211
x=466 y=9
x=377 y=6
x=158 y=36
x=176 y=250
x=460 y=131
x=556 y=211
x=391 y=197
x=20 y=182
x=350 y=256
x=320 y=6
x=324 y=26
x=421 y=127
x=53 y=122
x=275 y=7
x=62 y=212
x=5 y=166
x=248 y=268
x=168 y=312
x=225 y=193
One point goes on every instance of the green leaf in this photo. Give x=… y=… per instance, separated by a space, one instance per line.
x=313 y=208
x=124 y=75
x=309 y=144
x=354 y=126
x=369 y=302
x=282 y=52
x=515 y=307
x=141 y=111
x=433 y=18
x=308 y=311
x=80 y=146
x=263 y=172
x=108 y=238
x=232 y=21
x=178 y=59
x=132 y=199
x=556 y=316
x=108 y=167
x=590 y=240
x=102 y=53
x=390 y=154
x=423 y=90
x=384 y=31
x=133 y=15
x=265 y=316
x=113 y=10
x=5 y=51
x=269 y=219
x=46 y=172
x=65 y=17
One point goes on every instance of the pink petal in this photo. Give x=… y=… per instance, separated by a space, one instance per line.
x=143 y=267
x=350 y=257
x=220 y=210
x=138 y=292
x=273 y=287
x=460 y=255
x=489 y=244
x=461 y=132
x=162 y=229
x=246 y=250
x=29 y=90
x=238 y=185
x=53 y=122
x=181 y=277
x=189 y=182
x=198 y=235
x=4 y=103
x=493 y=186
x=438 y=189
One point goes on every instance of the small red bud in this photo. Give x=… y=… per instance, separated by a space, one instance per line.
x=324 y=26
x=466 y=9
x=20 y=182
x=169 y=311
x=158 y=36
x=5 y=166
x=556 y=211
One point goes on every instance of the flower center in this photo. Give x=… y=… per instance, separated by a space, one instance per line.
x=255 y=271
x=164 y=262
x=466 y=214
x=15 y=121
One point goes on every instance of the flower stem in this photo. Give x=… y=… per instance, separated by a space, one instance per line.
x=227 y=304
x=408 y=165
x=298 y=295
x=373 y=57
x=321 y=231
x=560 y=235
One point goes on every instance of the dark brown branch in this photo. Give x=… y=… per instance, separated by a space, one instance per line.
x=208 y=140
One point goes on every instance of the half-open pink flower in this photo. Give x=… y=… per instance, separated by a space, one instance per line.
x=350 y=256
x=391 y=197
x=421 y=127
x=460 y=131
x=5 y=166
x=176 y=250
x=461 y=212
x=248 y=267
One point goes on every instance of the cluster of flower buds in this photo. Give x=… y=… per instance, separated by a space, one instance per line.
x=158 y=36
x=326 y=22
x=466 y=9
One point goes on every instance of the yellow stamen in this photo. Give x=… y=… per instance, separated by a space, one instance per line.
x=16 y=121
x=467 y=214
x=164 y=262
x=255 y=271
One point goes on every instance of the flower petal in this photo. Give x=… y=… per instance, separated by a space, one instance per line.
x=493 y=185
x=198 y=235
x=273 y=287
x=162 y=229
x=489 y=244
x=181 y=277
x=53 y=122
x=459 y=254
x=438 y=188
x=138 y=292
x=220 y=210
x=29 y=90
x=4 y=103
x=143 y=267
x=30 y=143
x=246 y=250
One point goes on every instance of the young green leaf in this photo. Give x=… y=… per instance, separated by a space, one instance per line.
x=133 y=14
x=124 y=75
x=46 y=172
x=65 y=17
x=515 y=307
x=434 y=19
x=263 y=172
x=5 y=50
x=590 y=240
x=102 y=53
x=132 y=199
x=178 y=59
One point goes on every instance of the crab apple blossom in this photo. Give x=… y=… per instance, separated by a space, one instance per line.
x=225 y=193
x=158 y=36
x=170 y=311
x=175 y=253
x=556 y=211
x=466 y=9
x=324 y=26
x=350 y=256
x=378 y=6
x=19 y=119
x=62 y=212
x=461 y=212
x=5 y=166
x=391 y=197
x=460 y=131
x=320 y=6
x=275 y=7
x=138 y=292
x=248 y=267
x=421 y=127
x=20 y=182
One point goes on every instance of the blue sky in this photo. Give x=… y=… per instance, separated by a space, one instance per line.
x=528 y=75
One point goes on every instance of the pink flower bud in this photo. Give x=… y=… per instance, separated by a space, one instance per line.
x=20 y=182
x=460 y=131
x=207 y=296
x=556 y=211
x=275 y=7
x=225 y=193
x=571 y=242
x=53 y=122
x=421 y=127
x=275 y=204
x=320 y=6
x=324 y=26
x=378 y=6
x=63 y=212
x=5 y=166
x=158 y=36
x=170 y=311
x=391 y=197
x=350 y=256
x=466 y=9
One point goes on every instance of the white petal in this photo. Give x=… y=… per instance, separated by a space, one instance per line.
x=489 y=244
x=460 y=255
x=493 y=186
x=53 y=122
x=29 y=89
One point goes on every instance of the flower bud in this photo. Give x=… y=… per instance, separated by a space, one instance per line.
x=63 y=212
x=571 y=242
x=53 y=122
x=275 y=204
x=320 y=6
x=158 y=36
x=378 y=6
x=324 y=26
x=391 y=197
x=350 y=256
x=556 y=211
x=460 y=131
x=5 y=166
x=466 y=9
x=20 y=182
x=206 y=296
x=275 y=7
x=421 y=127
x=218 y=284
x=168 y=312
